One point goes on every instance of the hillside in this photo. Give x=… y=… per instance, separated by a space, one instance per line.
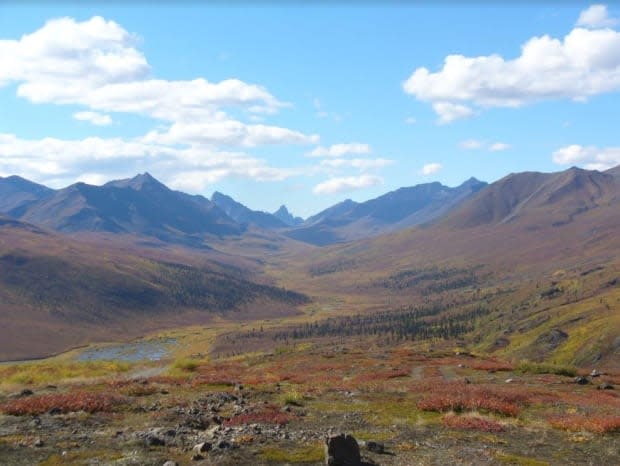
x=243 y=215
x=17 y=192
x=141 y=205
x=539 y=253
x=537 y=198
x=395 y=210
x=58 y=292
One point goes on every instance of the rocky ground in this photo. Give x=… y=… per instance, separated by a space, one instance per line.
x=268 y=416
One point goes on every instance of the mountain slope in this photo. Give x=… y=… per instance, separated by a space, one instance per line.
x=395 y=210
x=537 y=254
x=243 y=215
x=553 y=198
x=141 y=205
x=58 y=292
x=16 y=192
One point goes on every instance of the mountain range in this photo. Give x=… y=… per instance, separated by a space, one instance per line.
x=144 y=206
x=84 y=262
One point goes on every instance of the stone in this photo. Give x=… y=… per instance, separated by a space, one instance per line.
x=375 y=447
x=342 y=450
x=154 y=441
x=202 y=447
x=595 y=373
x=170 y=463
x=580 y=380
x=38 y=443
x=25 y=392
x=605 y=386
x=224 y=445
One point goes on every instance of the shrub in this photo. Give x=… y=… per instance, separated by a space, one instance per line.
x=546 y=368
x=575 y=422
x=462 y=397
x=65 y=402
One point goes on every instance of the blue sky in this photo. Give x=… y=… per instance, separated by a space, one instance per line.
x=306 y=105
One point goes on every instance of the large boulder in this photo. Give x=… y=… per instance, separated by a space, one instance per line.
x=342 y=450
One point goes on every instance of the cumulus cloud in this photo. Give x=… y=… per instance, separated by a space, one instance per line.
x=585 y=63
x=596 y=16
x=431 y=168
x=499 y=146
x=229 y=132
x=471 y=144
x=339 y=150
x=51 y=160
x=98 y=119
x=449 y=112
x=95 y=63
x=589 y=157
x=361 y=164
x=346 y=184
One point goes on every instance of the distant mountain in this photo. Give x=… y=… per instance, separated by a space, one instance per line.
x=550 y=198
x=398 y=209
x=17 y=192
x=243 y=215
x=614 y=171
x=140 y=205
x=285 y=216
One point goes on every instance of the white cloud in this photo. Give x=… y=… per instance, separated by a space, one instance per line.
x=431 y=168
x=586 y=62
x=346 y=184
x=361 y=164
x=499 y=146
x=590 y=157
x=95 y=64
x=471 y=144
x=95 y=118
x=96 y=159
x=338 y=150
x=449 y=112
x=596 y=16
x=230 y=133
x=410 y=121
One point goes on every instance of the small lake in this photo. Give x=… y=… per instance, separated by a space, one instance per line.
x=147 y=350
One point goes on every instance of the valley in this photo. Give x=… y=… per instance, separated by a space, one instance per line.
x=485 y=333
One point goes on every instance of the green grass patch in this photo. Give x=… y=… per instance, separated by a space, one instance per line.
x=47 y=372
x=508 y=458
x=528 y=367
x=186 y=365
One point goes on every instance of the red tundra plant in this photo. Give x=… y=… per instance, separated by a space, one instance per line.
x=63 y=402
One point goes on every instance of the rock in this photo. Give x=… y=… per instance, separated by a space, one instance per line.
x=54 y=411
x=154 y=441
x=38 y=443
x=342 y=450
x=202 y=447
x=606 y=386
x=375 y=447
x=170 y=463
x=211 y=433
x=509 y=380
x=197 y=457
x=25 y=392
x=224 y=445
x=580 y=380
x=595 y=373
